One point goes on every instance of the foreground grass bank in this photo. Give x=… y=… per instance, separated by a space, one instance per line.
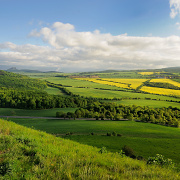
x=30 y=154
x=145 y=139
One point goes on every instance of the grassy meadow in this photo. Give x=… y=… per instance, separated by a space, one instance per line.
x=35 y=113
x=150 y=103
x=144 y=138
x=98 y=93
x=55 y=91
x=31 y=154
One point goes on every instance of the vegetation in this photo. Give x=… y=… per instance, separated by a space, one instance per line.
x=29 y=154
x=163 y=91
x=19 y=82
x=165 y=116
x=162 y=85
x=145 y=139
x=34 y=112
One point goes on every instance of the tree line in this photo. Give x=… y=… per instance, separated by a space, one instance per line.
x=161 y=85
x=100 y=111
x=39 y=100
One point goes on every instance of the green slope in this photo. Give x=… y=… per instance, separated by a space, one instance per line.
x=30 y=154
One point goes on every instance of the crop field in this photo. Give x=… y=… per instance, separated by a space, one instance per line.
x=116 y=94
x=169 y=81
x=146 y=73
x=150 y=103
x=123 y=83
x=122 y=74
x=55 y=91
x=135 y=83
x=144 y=138
x=177 y=80
x=132 y=83
x=79 y=83
x=109 y=82
x=163 y=91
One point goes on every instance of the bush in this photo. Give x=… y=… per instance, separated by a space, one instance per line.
x=114 y=133
x=109 y=134
x=128 y=151
x=160 y=160
x=103 y=150
x=69 y=133
x=122 y=154
x=4 y=168
x=140 y=158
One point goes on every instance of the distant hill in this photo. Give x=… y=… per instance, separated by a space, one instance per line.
x=172 y=69
x=15 y=70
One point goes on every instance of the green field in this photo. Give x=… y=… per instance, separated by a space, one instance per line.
x=35 y=113
x=150 y=103
x=115 y=74
x=30 y=154
x=116 y=94
x=79 y=83
x=55 y=91
x=146 y=139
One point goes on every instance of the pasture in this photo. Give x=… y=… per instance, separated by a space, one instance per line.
x=109 y=94
x=54 y=91
x=150 y=103
x=30 y=154
x=35 y=113
x=79 y=83
x=144 y=138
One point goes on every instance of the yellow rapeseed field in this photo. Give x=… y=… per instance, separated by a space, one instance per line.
x=123 y=83
x=132 y=83
x=163 y=91
x=166 y=81
x=146 y=73
x=102 y=81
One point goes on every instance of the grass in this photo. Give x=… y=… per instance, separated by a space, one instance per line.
x=116 y=94
x=30 y=154
x=146 y=139
x=79 y=83
x=35 y=113
x=150 y=103
x=54 y=91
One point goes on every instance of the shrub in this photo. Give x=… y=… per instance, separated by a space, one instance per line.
x=114 y=133
x=128 y=151
x=160 y=160
x=122 y=154
x=140 y=158
x=69 y=133
x=103 y=150
x=4 y=168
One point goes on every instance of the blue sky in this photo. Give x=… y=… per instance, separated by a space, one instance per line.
x=80 y=35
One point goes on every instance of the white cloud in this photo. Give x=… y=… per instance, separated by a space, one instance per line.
x=175 y=8
x=77 y=51
x=178 y=25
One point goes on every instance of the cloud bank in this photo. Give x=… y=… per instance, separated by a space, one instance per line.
x=69 y=50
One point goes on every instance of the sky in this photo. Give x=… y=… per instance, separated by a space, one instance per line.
x=89 y=35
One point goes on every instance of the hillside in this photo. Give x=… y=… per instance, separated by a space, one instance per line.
x=31 y=154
